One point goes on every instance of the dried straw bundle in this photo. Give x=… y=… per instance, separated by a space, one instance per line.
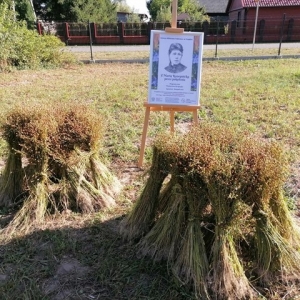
x=276 y=236
x=219 y=181
x=191 y=264
x=142 y=217
x=11 y=184
x=57 y=153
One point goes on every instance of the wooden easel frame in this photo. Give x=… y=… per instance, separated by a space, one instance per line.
x=171 y=108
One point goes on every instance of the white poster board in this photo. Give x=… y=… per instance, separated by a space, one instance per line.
x=175 y=68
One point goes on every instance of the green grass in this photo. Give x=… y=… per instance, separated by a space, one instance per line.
x=261 y=96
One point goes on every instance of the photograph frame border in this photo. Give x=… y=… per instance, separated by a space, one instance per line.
x=196 y=70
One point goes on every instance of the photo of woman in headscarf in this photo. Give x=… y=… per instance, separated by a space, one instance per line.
x=175 y=55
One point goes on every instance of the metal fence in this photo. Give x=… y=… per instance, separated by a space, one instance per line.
x=216 y=30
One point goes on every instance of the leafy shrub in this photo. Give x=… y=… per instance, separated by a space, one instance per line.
x=23 y=48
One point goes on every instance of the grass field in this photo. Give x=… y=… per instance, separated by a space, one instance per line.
x=84 y=257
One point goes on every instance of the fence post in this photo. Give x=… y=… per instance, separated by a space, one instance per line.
x=232 y=31
x=39 y=27
x=121 y=32
x=149 y=28
x=93 y=31
x=281 y=34
x=91 y=41
x=66 y=33
x=217 y=39
x=290 y=30
x=205 y=27
x=261 y=30
x=255 y=25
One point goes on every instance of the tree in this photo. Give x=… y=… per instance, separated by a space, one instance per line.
x=102 y=11
x=191 y=7
x=122 y=6
x=164 y=14
x=154 y=6
x=23 y=10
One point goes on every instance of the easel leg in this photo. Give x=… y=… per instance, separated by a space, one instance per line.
x=143 y=142
x=172 y=121
x=195 y=117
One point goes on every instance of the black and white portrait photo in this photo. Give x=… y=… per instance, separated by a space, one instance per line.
x=175 y=56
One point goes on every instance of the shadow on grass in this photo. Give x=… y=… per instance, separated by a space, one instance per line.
x=86 y=263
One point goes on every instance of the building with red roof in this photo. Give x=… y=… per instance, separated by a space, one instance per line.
x=274 y=18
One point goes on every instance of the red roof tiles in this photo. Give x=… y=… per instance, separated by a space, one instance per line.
x=271 y=3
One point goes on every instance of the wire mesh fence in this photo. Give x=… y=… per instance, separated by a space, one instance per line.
x=217 y=29
x=106 y=29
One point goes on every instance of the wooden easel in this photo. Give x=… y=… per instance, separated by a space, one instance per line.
x=171 y=108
